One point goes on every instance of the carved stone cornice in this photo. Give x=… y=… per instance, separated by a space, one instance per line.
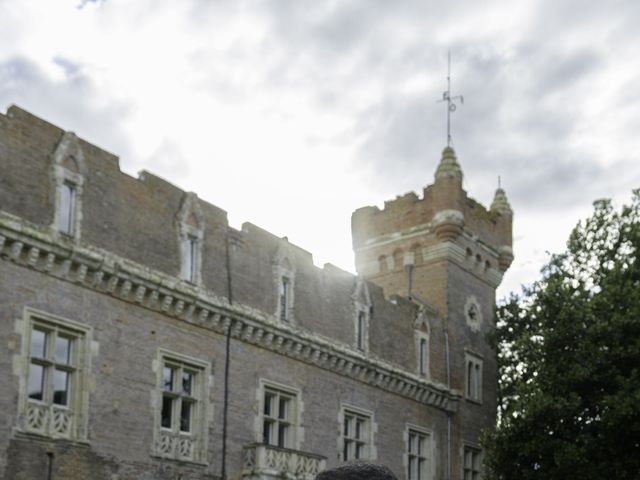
x=34 y=248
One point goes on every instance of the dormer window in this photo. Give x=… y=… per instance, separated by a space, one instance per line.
x=285 y=298
x=422 y=361
x=421 y=336
x=361 y=316
x=68 y=173
x=191 y=258
x=67 y=205
x=190 y=236
x=360 y=330
x=284 y=276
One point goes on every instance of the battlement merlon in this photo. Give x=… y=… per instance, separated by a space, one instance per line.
x=443 y=213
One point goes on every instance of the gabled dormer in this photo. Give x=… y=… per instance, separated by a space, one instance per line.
x=68 y=170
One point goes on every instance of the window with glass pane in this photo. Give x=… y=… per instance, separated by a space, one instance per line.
x=418 y=456
x=190 y=258
x=278 y=425
x=356 y=436
x=179 y=396
x=474 y=378
x=360 y=330
x=66 y=213
x=285 y=294
x=472 y=463
x=423 y=356
x=51 y=367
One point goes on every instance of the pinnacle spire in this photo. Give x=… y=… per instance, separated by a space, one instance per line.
x=449 y=166
x=500 y=203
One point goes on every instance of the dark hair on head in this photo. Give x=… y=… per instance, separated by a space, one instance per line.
x=357 y=471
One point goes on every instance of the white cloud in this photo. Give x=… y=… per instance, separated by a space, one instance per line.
x=291 y=114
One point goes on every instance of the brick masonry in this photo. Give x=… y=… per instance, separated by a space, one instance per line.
x=131 y=225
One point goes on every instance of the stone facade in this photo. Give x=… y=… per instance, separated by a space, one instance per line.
x=121 y=299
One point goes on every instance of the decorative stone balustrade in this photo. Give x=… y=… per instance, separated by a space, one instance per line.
x=267 y=461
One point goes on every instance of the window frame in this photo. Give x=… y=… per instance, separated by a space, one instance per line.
x=45 y=416
x=427 y=456
x=173 y=442
x=349 y=441
x=67 y=211
x=285 y=298
x=475 y=469
x=423 y=363
x=71 y=176
x=473 y=373
x=293 y=420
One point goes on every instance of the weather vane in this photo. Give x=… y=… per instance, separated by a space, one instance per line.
x=451 y=101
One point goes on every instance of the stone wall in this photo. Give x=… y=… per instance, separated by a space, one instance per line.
x=121 y=279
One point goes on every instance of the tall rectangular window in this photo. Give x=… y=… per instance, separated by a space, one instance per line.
x=473 y=376
x=472 y=463
x=66 y=213
x=285 y=298
x=56 y=357
x=360 y=329
x=190 y=260
x=417 y=455
x=181 y=410
x=356 y=436
x=423 y=356
x=279 y=418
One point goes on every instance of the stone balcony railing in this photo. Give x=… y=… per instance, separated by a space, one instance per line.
x=266 y=461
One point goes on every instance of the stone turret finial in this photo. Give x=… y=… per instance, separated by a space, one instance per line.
x=500 y=203
x=449 y=166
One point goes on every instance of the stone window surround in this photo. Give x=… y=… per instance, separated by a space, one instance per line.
x=475 y=360
x=200 y=419
x=68 y=146
x=77 y=411
x=371 y=452
x=361 y=311
x=477 y=450
x=431 y=450
x=422 y=369
x=281 y=269
x=298 y=429
x=362 y=306
x=186 y=232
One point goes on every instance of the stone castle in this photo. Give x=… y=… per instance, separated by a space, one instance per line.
x=141 y=337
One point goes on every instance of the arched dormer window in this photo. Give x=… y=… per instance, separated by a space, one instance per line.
x=190 y=225
x=362 y=315
x=68 y=175
x=422 y=344
x=284 y=274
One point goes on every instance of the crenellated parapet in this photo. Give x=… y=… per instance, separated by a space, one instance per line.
x=443 y=223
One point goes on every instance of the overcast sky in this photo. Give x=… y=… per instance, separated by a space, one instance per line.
x=290 y=114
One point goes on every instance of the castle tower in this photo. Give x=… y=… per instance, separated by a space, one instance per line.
x=419 y=246
x=448 y=253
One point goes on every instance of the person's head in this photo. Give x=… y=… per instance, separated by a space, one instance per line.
x=357 y=471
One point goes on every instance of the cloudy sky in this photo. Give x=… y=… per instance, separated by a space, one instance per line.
x=292 y=113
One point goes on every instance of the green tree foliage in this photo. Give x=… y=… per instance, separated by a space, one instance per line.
x=569 y=360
